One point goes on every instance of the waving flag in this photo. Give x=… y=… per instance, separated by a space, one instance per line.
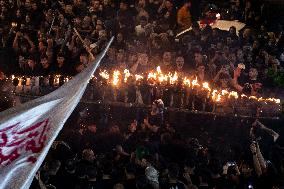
x=28 y=131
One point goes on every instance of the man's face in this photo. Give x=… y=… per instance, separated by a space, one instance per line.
x=253 y=73
x=83 y=59
x=44 y=62
x=96 y=5
x=180 y=62
x=143 y=23
x=240 y=54
x=167 y=57
x=143 y=59
x=168 y=5
x=31 y=63
x=60 y=60
x=198 y=57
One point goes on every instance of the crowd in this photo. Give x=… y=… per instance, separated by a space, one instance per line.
x=41 y=38
x=149 y=151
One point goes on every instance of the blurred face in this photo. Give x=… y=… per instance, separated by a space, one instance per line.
x=180 y=62
x=133 y=58
x=168 y=5
x=31 y=63
x=143 y=59
x=232 y=58
x=60 y=60
x=83 y=59
x=119 y=37
x=18 y=13
x=92 y=128
x=96 y=5
x=201 y=69
x=143 y=23
x=198 y=58
x=167 y=57
x=44 y=63
x=132 y=127
x=232 y=31
x=240 y=54
x=224 y=83
x=253 y=73
x=28 y=18
x=120 y=57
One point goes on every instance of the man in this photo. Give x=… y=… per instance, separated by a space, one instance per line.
x=184 y=16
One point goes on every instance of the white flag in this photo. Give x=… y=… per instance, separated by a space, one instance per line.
x=28 y=131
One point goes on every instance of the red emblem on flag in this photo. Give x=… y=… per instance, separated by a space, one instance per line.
x=28 y=141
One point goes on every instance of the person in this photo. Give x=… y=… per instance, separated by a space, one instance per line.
x=184 y=16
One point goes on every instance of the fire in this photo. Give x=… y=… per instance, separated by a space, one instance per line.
x=205 y=85
x=115 y=79
x=186 y=82
x=126 y=75
x=174 y=78
x=233 y=94
x=195 y=82
x=158 y=77
x=138 y=77
x=104 y=74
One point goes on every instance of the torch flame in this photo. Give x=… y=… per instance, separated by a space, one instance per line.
x=126 y=75
x=115 y=78
x=104 y=74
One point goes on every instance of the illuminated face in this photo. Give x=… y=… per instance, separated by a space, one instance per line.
x=31 y=63
x=198 y=57
x=253 y=73
x=143 y=59
x=167 y=58
x=180 y=62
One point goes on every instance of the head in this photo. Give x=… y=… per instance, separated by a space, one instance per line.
x=143 y=21
x=143 y=59
x=179 y=62
x=169 y=4
x=253 y=73
x=92 y=128
x=120 y=56
x=132 y=127
x=187 y=3
x=44 y=62
x=123 y=6
x=31 y=62
x=88 y=155
x=198 y=58
x=60 y=59
x=84 y=58
x=233 y=30
x=167 y=57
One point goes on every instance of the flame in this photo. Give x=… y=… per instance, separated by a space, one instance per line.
x=115 y=78
x=104 y=74
x=233 y=94
x=155 y=77
x=138 y=77
x=174 y=78
x=159 y=71
x=126 y=75
x=205 y=85
x=195 y=82
x=224 y=92
x=186 y=82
